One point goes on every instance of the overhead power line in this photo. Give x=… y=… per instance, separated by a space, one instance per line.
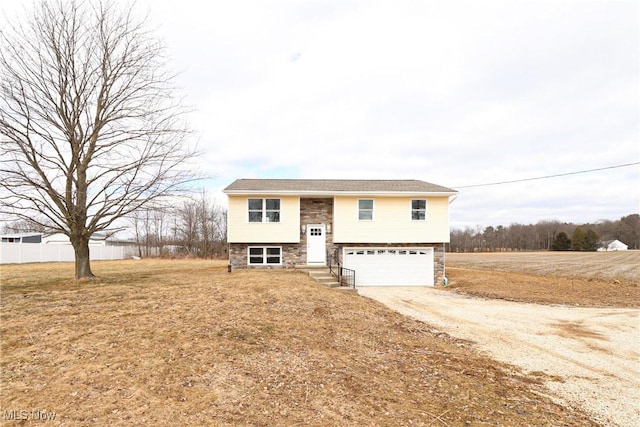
x=549 y=176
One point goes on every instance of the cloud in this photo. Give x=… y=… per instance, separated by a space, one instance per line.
x=455 y=93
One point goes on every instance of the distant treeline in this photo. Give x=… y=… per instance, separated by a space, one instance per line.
x=547 y=235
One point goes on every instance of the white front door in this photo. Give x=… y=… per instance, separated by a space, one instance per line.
x=316 y=244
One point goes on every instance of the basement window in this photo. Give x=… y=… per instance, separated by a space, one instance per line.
x=265 y=255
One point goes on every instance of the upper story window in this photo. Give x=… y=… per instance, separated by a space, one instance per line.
x=419 y=210
x=264 y=210
x=365 y=209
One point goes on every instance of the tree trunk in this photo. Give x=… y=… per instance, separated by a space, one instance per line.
x=83 y=263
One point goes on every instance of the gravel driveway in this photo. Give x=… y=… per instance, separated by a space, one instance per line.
x=595 y=352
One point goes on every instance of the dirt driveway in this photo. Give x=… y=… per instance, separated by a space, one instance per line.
x=592 y=355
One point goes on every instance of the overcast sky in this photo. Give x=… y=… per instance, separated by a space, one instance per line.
x=452 y=92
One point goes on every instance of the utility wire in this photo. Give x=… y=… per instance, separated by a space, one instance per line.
x=549 y=176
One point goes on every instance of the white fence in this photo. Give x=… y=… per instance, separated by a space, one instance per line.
x=17 y=253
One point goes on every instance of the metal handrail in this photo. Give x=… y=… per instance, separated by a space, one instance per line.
x=345 y=276
x=330 y=258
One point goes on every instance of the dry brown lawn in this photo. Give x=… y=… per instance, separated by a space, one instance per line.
x=186 y=343
x=590 y=279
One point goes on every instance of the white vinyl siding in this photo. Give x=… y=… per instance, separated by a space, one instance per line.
x=392 y=222
x=241 y=230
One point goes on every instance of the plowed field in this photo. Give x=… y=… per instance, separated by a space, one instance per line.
x=590 y=279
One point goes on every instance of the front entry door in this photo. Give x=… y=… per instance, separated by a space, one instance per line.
x=316 y=244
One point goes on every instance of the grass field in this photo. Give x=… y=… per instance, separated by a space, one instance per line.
x=592 y=279
x=186 y=343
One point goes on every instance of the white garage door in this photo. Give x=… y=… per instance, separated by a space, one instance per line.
x=391 y=266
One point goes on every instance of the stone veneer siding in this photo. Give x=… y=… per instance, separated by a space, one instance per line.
x=239 y=255
x=295 y=255
x=316 y=211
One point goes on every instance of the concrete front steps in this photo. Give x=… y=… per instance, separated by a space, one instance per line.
x=322 y=274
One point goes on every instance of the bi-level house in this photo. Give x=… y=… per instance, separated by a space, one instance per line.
x=391 y=232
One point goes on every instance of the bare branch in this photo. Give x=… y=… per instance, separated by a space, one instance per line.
x=90 y=125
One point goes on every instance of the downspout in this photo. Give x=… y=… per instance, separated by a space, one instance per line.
x=445 y=281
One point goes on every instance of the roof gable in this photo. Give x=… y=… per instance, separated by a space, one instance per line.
x=334 y=186
x=612 y=242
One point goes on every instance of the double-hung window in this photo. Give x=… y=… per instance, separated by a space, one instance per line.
x=264 y=210
x=419 y=210
x=265 y=255
x=365 y=209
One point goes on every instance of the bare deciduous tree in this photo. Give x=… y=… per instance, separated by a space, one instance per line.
x=90 y=127
x=546 y=235
x=196 y=228
x=23 y=226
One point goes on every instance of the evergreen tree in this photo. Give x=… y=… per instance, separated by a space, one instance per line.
x=578 y=239
x=561 y=242
x=591 y=241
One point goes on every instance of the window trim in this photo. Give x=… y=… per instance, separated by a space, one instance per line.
x=264 y=211
x=372 y=210
x=425 y=210
x=265 y=255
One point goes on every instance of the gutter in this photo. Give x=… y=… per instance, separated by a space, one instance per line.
x=335 y=194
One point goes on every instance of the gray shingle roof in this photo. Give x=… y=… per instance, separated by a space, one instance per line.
x=334 y=186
